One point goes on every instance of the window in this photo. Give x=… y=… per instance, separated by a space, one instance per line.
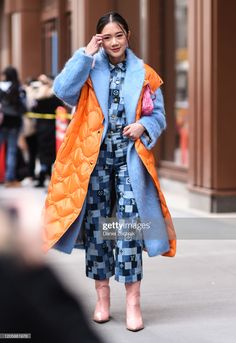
x=175 y=147
x=181 y=84
x=50 y=48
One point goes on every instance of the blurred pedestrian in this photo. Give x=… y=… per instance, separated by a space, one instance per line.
x=45 y=106
x=12 y=100
x=29 y=130
x=107 y=152
x=33 y=300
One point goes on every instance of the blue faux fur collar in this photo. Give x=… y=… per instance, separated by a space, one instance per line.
x=134 y=79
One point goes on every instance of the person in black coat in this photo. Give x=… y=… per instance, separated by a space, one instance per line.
x=12 y=107
x=46 y=103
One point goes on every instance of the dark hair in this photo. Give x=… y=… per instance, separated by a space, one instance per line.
x=112 y=17
x=11 y=75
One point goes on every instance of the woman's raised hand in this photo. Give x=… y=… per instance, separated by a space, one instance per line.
x=94 y=45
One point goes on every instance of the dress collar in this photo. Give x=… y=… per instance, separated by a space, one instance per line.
x=121 y=65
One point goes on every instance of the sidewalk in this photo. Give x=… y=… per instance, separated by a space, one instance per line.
x=189 y=298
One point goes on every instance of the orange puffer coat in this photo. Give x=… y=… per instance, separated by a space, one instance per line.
x=77 y=158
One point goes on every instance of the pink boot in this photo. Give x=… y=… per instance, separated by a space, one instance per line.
x=134 y=321
x=102 y=309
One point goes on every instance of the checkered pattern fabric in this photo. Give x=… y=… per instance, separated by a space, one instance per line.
x=121 y=257
x=100 y=260
x=116 y=100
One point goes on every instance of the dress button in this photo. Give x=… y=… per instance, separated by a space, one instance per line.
x=115 y=92
x=113 y=116
x=117 y=82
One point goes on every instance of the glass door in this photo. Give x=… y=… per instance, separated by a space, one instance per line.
x=50 y=48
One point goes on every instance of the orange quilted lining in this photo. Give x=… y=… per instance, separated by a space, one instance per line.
x=70 y=177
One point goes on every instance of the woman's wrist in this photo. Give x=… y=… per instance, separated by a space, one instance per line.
x=88 y=52
x=141 y=126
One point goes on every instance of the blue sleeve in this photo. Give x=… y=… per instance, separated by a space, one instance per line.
x=154 y=123
x=68 y=83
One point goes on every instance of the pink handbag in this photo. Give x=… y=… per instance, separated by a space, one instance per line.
x=147 y=102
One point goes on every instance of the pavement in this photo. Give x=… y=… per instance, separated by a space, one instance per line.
x=188 y=298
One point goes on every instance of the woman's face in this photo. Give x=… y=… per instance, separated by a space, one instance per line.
x=114 y=42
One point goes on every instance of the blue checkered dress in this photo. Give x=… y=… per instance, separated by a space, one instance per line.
x=111 y=169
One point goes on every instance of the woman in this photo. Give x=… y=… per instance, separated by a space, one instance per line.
x=107 y=147
x=46 y=104
x=12 y=101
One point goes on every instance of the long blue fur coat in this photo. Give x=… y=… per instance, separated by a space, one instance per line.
x=67 y=87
